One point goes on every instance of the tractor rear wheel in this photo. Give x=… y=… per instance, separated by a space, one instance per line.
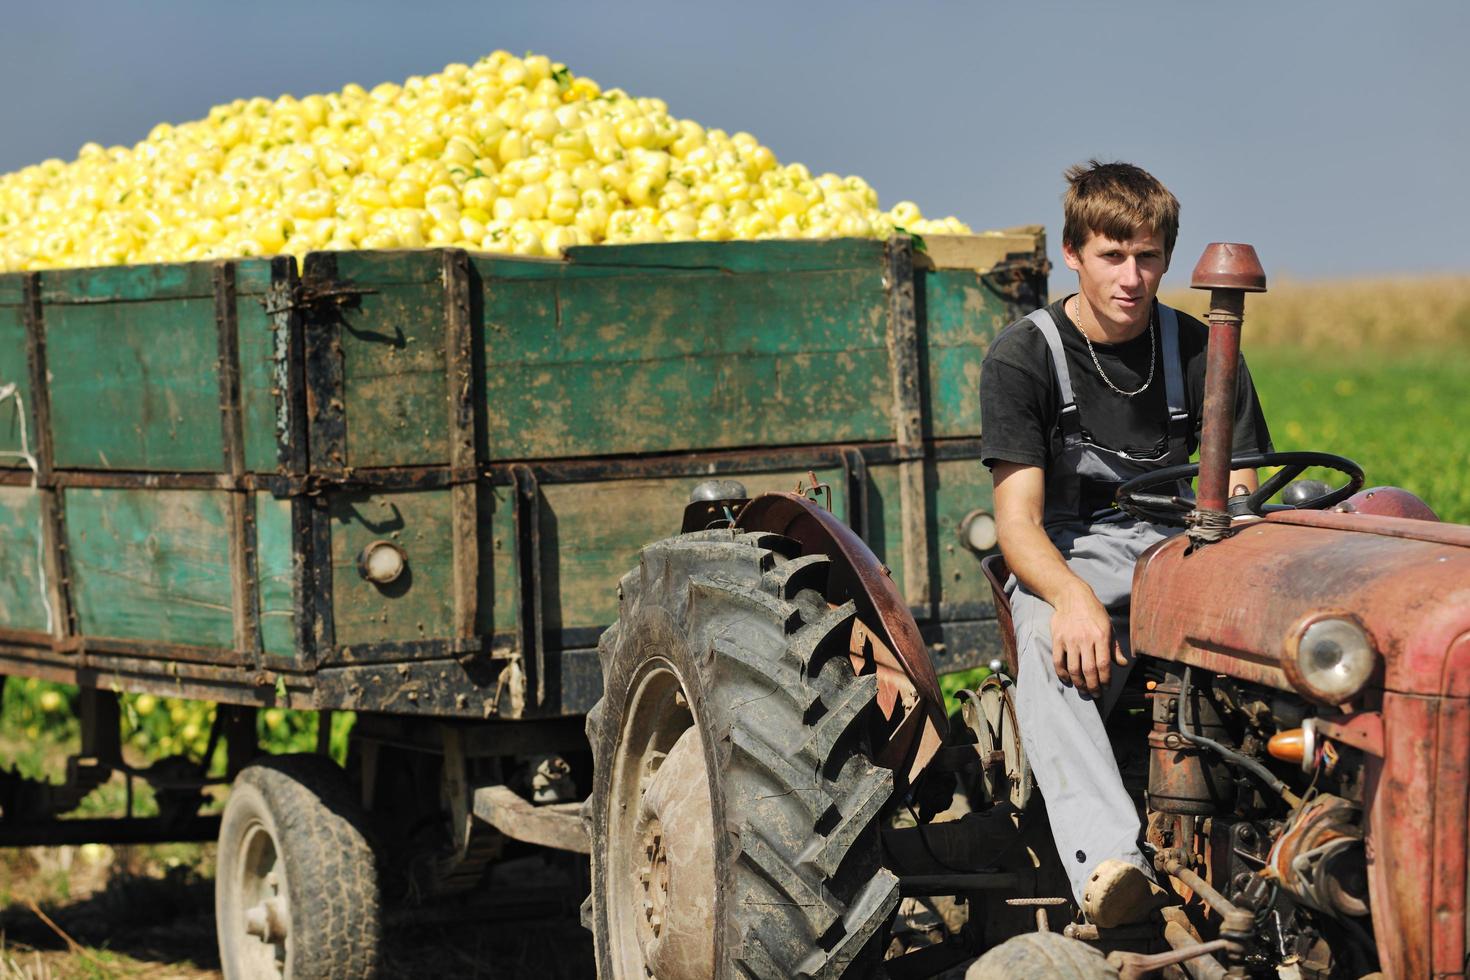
x=734 y=814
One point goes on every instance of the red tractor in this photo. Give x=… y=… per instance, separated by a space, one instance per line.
x=776 y=772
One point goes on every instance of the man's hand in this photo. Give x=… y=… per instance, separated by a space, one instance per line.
x=1083 y=647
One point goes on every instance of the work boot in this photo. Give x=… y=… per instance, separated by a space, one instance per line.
x=1120 y=894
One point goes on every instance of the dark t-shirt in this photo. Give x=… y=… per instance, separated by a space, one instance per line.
x=1019 y=401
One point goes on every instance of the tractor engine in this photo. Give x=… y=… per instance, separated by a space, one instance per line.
x=1240 y=791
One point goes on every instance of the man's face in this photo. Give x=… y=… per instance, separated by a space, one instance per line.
x=1119 y=279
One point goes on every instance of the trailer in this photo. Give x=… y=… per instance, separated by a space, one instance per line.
x=405 y=485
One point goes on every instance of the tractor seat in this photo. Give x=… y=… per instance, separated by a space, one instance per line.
x=997 y=572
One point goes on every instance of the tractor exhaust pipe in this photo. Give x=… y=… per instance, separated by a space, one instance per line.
x=1228 y=271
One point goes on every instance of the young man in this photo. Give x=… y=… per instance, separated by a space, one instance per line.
x=1080 y=396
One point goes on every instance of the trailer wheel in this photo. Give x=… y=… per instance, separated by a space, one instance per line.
x=1042 y=956
x=296 y=884
x=734 y=808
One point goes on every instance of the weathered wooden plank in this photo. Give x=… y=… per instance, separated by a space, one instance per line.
x=227 y=370
x=964 y=314
x=420 y=604
x=323 y=369
x=499 y=588
x=228 y=684
x=953 y=489
x=273 y=550
x=16 y=431
x=12 y=289
x=128 y=283
x=388 y=267
x=760 y=257
x=909 y=396
x=530 y=568
x=134 y=385
x=393 y=359
x=461 y=412
x=682 y=404
x=23 y=589
x=638 y=315
x=263 y=380
x=591 y=534
x=151 y=565
x=979 y=253
x=958 y=487
x=599 y=366
x=60 y=590
x=38 y=373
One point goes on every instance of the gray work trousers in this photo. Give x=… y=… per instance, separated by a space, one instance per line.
x=1092 y=817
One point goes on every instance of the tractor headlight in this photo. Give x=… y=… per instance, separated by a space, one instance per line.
x=1330 y=658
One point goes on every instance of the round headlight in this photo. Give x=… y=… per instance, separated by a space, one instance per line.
x=1331 y=659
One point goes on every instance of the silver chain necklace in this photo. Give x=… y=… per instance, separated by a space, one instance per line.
x=1153 y=344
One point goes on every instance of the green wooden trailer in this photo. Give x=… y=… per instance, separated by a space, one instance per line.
x=405 y=484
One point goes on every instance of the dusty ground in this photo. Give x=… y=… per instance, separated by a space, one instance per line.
x=149 y=912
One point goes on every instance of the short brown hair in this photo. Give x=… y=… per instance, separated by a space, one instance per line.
x=1117 y=201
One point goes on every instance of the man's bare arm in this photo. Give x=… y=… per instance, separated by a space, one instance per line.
x=1083 y=647
x=1244 y=478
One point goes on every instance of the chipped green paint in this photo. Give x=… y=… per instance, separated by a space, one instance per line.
x=951 y=490
x=592 y=533
x=135 y=385
x=396 y=390
x=273 y=569
x=580 y=364
x=956 y=488
x=757 y=257
x=14 y=370
x=128 y=283
x=499 y=591
x=964 y=315
x=151 y=565
x=22 y=598
x=133 y=354
x=420 y=604
x=257 y=347
x=658 y=349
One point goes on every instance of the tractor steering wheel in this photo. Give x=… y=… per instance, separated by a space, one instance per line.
x=1137 y=499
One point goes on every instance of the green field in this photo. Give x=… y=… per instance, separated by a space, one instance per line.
x=1404 y=418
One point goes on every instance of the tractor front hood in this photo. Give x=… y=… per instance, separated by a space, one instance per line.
x=1230 y=607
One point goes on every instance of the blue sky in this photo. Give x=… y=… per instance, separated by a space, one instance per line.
x=1332 y=136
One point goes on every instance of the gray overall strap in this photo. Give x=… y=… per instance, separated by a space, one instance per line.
x=1179 y=421
x=1067 y=419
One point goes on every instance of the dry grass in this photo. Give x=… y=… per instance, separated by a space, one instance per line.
x=1427 y=312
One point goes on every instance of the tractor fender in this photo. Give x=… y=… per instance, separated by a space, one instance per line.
x=857 y=574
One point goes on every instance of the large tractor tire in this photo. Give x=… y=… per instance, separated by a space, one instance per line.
x=296 y=885
x=1042 y=956
x=734 y=815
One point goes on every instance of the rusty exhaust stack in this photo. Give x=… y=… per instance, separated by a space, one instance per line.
x=1228 y=271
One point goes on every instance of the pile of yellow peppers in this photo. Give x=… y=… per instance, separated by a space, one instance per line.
x=510 y=154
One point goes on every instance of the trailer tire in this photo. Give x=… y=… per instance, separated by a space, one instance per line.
x=1042 y=956
x=296 y=882
x=734 y=814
